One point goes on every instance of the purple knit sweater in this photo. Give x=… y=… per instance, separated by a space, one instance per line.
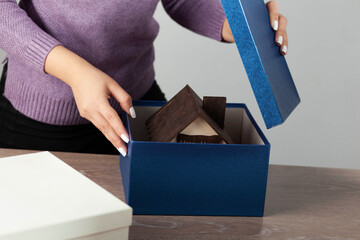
x=115 y=36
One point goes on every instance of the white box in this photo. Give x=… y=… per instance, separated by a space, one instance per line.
x=41 y=197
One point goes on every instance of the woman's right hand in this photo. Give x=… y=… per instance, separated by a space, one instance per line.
x=92 y=90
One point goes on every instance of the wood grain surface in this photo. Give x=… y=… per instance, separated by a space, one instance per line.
x=215 y=107
x=302 y=203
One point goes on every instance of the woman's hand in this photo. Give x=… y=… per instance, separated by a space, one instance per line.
x=92 y=90
x=277 y=21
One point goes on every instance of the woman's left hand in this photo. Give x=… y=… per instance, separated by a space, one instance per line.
x=278 y=23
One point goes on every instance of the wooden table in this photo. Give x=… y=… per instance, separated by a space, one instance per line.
x=302 y=203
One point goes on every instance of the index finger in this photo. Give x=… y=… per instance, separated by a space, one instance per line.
x=273 y=9
x=104 y=126
x=115 y=122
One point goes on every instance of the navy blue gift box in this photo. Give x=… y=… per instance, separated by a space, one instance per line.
x=215 y=179
x=194 y=178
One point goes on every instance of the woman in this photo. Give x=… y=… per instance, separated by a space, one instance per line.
x=71 y=62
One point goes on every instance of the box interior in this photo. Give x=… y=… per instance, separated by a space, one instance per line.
x=237 y=124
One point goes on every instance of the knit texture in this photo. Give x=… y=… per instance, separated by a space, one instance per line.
x=115 y=36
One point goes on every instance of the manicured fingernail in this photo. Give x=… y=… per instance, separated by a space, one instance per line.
x=275 y=25
x=280 y=40
x=124 y=138
x=122 y=151
x=132 y=112
x=284 y=49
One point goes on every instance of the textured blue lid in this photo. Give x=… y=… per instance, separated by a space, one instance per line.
x=266 y=68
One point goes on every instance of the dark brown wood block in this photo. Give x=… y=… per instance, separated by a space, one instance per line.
x=183 y=109
x=215 y=107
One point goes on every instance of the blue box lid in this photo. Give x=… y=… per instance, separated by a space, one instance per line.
x=266 y=68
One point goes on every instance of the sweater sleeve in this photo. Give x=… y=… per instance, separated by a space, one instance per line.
x=205 y=17
x=21 y=37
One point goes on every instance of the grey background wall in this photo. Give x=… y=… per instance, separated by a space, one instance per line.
x=323 y=58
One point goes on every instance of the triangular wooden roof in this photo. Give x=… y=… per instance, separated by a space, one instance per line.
x=183 y=109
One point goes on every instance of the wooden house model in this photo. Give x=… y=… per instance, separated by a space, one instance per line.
x=186 y=118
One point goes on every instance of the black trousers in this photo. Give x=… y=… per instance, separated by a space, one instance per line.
x=20 y=132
